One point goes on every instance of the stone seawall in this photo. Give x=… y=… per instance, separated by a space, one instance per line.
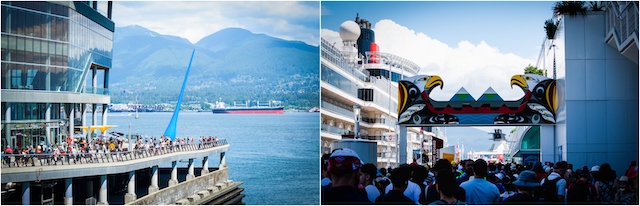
x=171 y=195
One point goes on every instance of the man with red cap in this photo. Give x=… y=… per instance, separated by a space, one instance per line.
x=344 y=171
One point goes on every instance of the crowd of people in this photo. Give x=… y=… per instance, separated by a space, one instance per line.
x=346 y=180
x=76 y=149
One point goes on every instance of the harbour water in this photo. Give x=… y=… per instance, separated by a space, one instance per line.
x=275 y=155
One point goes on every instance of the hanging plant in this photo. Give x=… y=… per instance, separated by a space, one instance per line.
x=572 y=8
x=550 y=28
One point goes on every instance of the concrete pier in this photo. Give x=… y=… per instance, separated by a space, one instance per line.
x=174 y=174
x=68 y=191
x=197 y=191
x=103 y=190
x=154 y=180
x=191 y=174
x=131 y=188
x=109 y=173
x=205 y=165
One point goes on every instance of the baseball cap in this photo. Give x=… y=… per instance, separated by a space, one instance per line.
x=595 y=168
x=343 y=160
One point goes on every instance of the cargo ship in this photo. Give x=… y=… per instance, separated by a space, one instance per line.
x=273 y=107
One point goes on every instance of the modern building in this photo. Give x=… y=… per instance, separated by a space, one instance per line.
x=359 y=74
x=56 y=58
x=595 y=60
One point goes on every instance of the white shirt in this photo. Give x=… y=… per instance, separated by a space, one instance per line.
x=412 y=192
x=372 y=192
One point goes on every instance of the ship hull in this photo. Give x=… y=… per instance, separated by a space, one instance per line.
x=270 y=110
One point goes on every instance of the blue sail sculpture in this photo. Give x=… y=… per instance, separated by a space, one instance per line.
x=171 y=128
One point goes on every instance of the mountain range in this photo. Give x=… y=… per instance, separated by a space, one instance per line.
x=230 y=65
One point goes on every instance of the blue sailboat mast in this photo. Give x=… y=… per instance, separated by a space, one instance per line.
x=171 y=128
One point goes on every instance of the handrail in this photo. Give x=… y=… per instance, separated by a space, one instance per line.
x=623 y=20
x=101 y=156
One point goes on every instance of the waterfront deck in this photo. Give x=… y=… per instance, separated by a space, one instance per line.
x=96 y=165
x=35 y=167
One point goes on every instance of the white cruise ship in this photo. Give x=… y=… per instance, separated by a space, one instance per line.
x=357 y=73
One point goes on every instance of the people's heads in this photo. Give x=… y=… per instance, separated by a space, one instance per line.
x=369 y=172
x=418 y=173
x=480 y=168
x=623 y=183
x=383 y=171
x=441 y=164
x=606 y=173
x=492 y=167
x=468 y=167
x=527 y=181
x=537 y=167
x=584 y=174
x=560 y=167
x=446 y=183
x=399 y=177
x=344 y=166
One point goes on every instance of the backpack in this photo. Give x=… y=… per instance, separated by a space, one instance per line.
x=579 y=193
x=550 y=191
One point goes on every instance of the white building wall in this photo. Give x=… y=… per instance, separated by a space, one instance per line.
x=601 y=96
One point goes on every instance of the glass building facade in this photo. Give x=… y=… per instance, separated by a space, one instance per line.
x=49 y=50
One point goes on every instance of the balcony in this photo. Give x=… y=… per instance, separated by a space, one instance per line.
x=334 y=130
x=622 y=28
x=337 y=109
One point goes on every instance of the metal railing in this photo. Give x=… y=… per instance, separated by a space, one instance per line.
x=333 y=55
x=101 y=156
x=623 y=17
x=335 y=108
x=334 y=130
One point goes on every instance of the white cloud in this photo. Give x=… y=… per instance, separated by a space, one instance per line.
x=195 y=20
x=474 y=67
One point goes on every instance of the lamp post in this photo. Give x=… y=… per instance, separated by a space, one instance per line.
x=356 y=117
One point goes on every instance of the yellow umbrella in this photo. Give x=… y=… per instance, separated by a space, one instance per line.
x=103 y=128
x=85 y=128
x=93 y=127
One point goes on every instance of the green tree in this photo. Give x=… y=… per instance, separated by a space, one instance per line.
x=533 y=70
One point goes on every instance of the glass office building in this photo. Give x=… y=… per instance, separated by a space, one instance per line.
x=56 y=58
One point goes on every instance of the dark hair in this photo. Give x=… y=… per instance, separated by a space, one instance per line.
x=480 y=168
x=606 y=173
x=446 y=182
x=442 y=164
x=369 y=169
x=383 y=171
x=399 y=176
x=561 y=165
x=419 y=173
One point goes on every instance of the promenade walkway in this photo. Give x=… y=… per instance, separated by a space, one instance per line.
x=35 y=167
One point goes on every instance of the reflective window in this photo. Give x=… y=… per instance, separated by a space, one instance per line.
x=57 y=39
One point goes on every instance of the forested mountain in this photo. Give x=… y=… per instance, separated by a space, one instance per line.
x=232 y=64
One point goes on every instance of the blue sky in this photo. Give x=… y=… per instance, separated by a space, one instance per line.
x=512 y=27
x=475 y=45
x=194 y=20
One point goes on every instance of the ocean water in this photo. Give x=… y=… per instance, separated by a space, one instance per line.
x=275 y=155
